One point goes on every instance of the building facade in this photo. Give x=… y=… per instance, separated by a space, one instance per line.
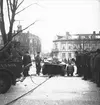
x=28 y=41
x=65 y=46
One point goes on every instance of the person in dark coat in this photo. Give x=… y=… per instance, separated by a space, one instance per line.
x=70 y=69
x=97 y=67
x=38 y=63
x=83 y=65
x=89 y=72
x=93 y=55
x=26 y=62
x=78 y=63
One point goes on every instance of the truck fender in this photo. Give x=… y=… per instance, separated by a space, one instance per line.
x=11 y=75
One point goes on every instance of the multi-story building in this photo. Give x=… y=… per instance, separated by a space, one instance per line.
x=34 y=43
x=65 y=46
x=28 y=41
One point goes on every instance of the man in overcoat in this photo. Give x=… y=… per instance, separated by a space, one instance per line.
x=78 y=63
x=38 y=63
x=26 y=63
x=97 y=67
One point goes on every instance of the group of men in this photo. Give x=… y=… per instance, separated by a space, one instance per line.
x=88 y=65
x=27 y=62
x=13 y=54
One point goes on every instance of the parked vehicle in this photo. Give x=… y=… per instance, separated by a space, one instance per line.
x=9 y=72
x=53 y=69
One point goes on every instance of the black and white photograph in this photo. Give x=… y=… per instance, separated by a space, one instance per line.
x=49 y=52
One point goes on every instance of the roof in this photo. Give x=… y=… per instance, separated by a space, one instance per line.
x=75 y=37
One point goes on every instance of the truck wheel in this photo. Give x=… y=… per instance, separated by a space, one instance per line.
x=71 y=74
x=67 y=74
x=5 y=82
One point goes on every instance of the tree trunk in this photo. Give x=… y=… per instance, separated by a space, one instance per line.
x=2 y=24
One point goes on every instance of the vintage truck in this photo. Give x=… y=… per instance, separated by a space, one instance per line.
x=53 y=69
x=9 y=72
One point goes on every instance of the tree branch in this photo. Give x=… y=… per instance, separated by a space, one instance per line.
x=16 y=2
x=8 y=10
x=12 y=20
x=20 y=4
x=2 y=24
x=8 y=43
x=11 y=6
x=26 y=8
x=24 y=28
x=14 y=5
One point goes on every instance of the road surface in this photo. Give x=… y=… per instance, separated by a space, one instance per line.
x=63 y=91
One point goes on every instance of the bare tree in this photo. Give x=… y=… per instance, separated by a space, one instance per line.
x=12 y=11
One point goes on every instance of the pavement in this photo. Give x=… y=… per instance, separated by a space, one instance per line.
x=63 y=91
x=22 y=87
x=58 y=90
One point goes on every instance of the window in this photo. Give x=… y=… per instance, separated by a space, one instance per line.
x=63 y=55
x=56 y=46
x=63 y=47
x=69 y=55
x=63 y=42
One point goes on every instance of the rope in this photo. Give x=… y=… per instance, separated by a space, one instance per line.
x=32 y=80
x=9 y=103
x=29 y=75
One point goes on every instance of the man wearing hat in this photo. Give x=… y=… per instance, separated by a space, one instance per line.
x=26 y=62
x=38 y=63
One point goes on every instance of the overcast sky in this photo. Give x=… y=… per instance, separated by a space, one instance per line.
x=58 y=16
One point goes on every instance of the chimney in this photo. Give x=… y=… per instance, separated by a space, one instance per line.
x=94 y=32
x=99 y=32
x=67 y=35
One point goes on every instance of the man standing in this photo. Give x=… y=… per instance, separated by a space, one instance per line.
x=78 y=63
x=26 y=62
x=97 y=67
x=70 y=69
x=38 y=63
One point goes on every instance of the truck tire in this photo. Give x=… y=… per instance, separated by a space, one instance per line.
x=5 y=82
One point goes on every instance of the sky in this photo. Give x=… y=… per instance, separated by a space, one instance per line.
x=56 y=17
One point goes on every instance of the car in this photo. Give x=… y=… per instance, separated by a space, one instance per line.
x=53 y=69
